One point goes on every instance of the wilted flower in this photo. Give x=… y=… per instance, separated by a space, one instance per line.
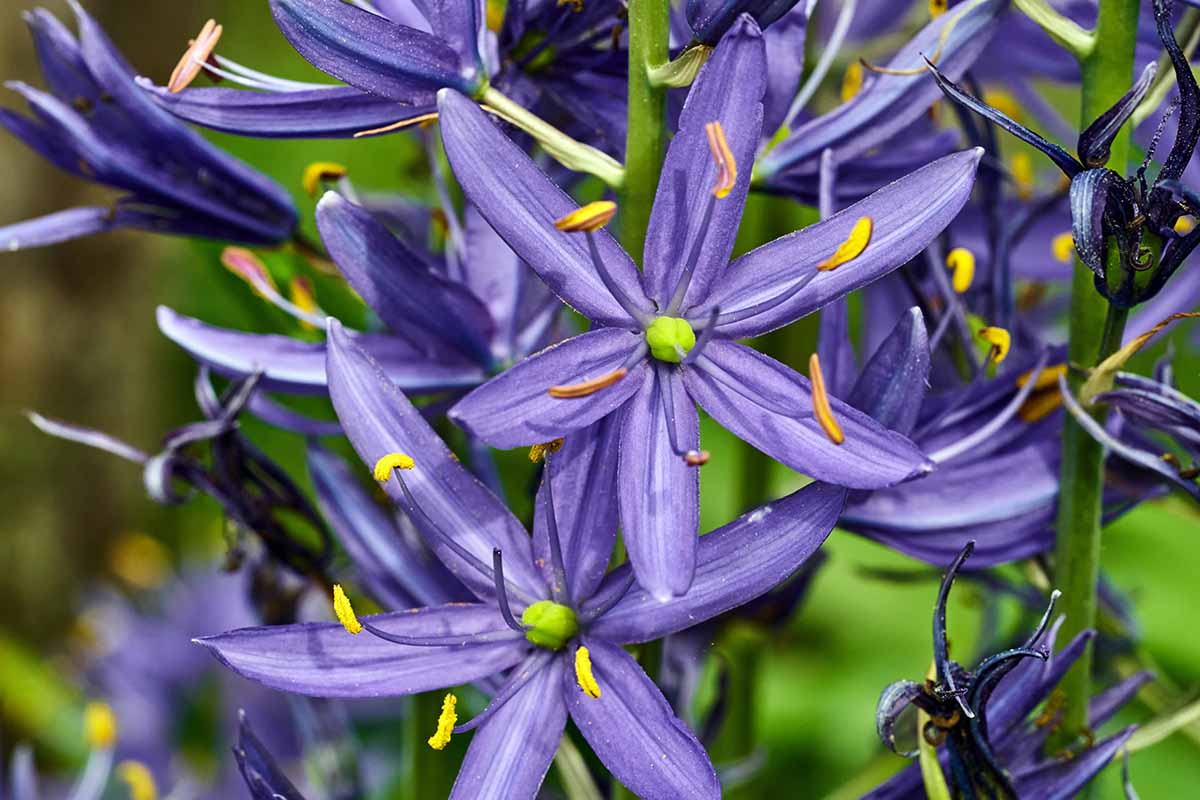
x=98 y=124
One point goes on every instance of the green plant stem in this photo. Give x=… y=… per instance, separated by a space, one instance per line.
x=645 y=140
x=742 y=649
x=428 y=774
x=1095 y=331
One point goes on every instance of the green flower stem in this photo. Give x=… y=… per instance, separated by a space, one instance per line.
x=645 y=140
x=741 y=649
x=571 y=153
x=1095 y=332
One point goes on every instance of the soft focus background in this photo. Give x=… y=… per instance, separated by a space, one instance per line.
x=78 y=342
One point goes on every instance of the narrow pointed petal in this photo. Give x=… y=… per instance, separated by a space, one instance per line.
x=263 y=776
x=456 y=23
x=1063 y=780
x=322 y=659
x=515 y=408
x=511 y=753
x=398 y=575
x=1096 y=141
x=366 y=50
x=893 y=384
x=783 y=40
x=734 y=564
x=634 y=731
x=585 y=495
x=417 y=304
x=710 y=19
x=61 y=226
x=728 y=90
x=498 y=277
x=521 y=203
x=334 y=113
x=891 y=103
x=907 y=215
x=379 y=420
x=292 y=365
x=1089 y=198
x=658 y=493
x=89 y=437
x=870 y=457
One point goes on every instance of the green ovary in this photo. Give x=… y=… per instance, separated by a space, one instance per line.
x=668 y=337
x=550 y=625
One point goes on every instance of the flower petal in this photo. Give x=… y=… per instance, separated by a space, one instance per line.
x=397 y=574
x=332 y=113
x=585 y=505
x=1058 y=780
x=367 y=50
x=61 y=226
x=634 y=731
x=892 y=385
x=292 y=365
x=515 y=409
x=322 y=660
x=907 y=215
x=428 y=310
x=869 y=457
x=379 y=420
x=728 y=90
x=659 y=494
x=264 y=778
x=521 y=203
x=511 y=753
x=734 y=564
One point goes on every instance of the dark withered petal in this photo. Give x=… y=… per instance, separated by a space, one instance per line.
x=1096 y=141
x=1188 y=131
x=262 y=774
x=1089 y=201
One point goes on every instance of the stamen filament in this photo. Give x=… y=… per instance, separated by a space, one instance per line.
x=584 y=675
x=720 y=375
x=612 y=597
x=420 y=119
x=532 y=665
x=501 y=594
x=445 y=724
x=560 y=589
x=693 y=458
x=730 y=317
x=689 y=269
x=238 y=72
x=609 y=283
x=593 y=385
x=706 y=334
x=821 y=405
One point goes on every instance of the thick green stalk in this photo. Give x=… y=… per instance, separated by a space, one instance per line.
x=645 y=140
x=1095 y=331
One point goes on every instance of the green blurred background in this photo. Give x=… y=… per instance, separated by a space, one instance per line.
x=78 y=342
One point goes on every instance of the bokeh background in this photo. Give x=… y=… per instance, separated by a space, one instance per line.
x=78 y=342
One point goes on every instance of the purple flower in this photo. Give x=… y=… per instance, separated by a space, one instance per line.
x=547 y=618
x=451 y=320
x=97 y=124
x=980 y=716
x=264 y=778
x=664 y=342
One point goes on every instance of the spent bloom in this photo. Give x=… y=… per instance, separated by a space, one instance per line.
x=96 y=123
x=547 y=620
x=664 y=341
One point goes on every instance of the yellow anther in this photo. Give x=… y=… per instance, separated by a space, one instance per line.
x=99 y=725
x=852 y=81
x=821 y=406
x=320 y=172
x=937 y=8
x=198 y=52
x=999 y=339
x=1040 y=405
x=1185 y=225
x=589 y=387
x=852 y=248
x=583 y=673
x=587 y=219
x=1004 y=102
x=538 y=453
x=718 y=145
x=250 y=268
x=140 y=561
x=300 y=291
x=420 y=119
x=962 y=262
x=576 y=5
x=1063 y=247
x=385 y=465
x=345 y=611
x=496 y=10
x=446 y=721
x=139 y=779
x=1021 y=167
x=1045 y=379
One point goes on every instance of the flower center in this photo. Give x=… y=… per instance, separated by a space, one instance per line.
x=670 y=338
x=551 y=625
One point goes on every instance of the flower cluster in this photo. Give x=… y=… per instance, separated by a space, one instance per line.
x=606 y=260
